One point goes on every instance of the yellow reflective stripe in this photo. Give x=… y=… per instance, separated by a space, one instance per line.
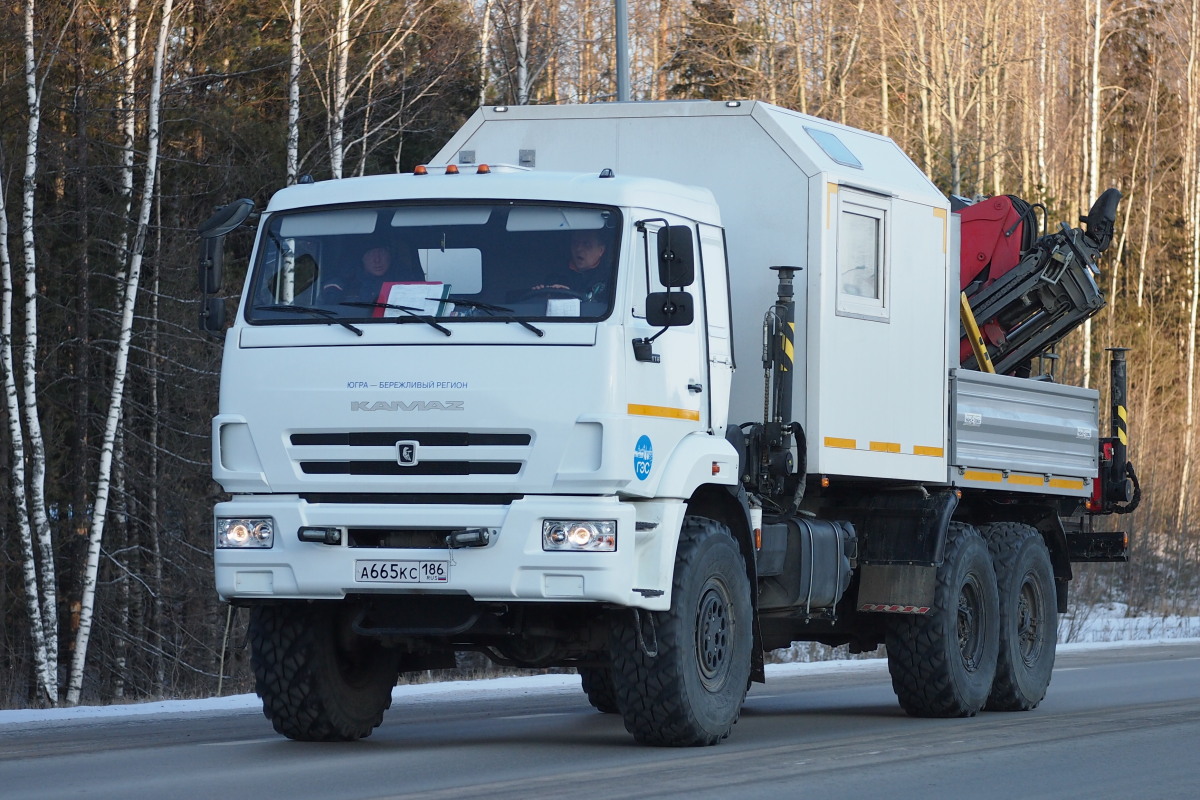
x=884 y=447
x=831 y=191
x=663 y=411
x=1122 y=413
x=979 y=475
x=1124 y=437
x=988 y=476
x=940 y=213
x=1026 y=480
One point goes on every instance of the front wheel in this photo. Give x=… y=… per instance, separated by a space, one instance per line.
x=681 y=680
x=598 y=686
x=942 y=663
x=1028 y=616
x=318 y=680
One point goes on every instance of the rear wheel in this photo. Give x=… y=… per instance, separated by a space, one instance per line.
x=1028 y=616
x=598 y=686
x=942 y=663
x=681 y=682
x=318 y=680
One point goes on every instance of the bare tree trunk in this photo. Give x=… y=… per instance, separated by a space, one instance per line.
x=120 y=368
x=46 y=680
x=1151 y=183
x=296 y=55
x=154 y=526
x=1092 y=154
x=485 y=44
x=884 y=88
x=524 y=11
x=120 y=558
x=37 y=446
x=1191 y=196
x=337 y=108
x=1043 y=178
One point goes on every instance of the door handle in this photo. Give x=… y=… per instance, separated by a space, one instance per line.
x=696 y=387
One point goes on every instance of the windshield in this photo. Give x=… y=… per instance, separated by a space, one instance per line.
x=421 y=263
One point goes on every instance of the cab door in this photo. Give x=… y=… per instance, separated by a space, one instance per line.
x=718 y=324
x=668 y=375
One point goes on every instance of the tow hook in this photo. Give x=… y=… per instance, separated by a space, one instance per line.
x=471 y=537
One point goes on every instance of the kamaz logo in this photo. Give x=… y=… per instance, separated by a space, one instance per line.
x=400 y=405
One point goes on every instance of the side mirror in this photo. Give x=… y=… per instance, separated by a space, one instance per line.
x=225 y=219
x=676 y=257
x=212 y=231
x=212 y=315
x=669 y=309
x=211 y=258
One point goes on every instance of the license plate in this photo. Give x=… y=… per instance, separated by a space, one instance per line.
x=401 y=571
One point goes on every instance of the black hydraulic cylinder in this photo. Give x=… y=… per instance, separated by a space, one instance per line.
x=1119 y=380
x=784 y=347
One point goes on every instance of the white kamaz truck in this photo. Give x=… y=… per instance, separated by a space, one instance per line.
x=647 y=390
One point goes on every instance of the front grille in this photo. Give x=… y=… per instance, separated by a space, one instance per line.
x=424 y=468
x=392 y=498
x=435 y=453
x=423 y=438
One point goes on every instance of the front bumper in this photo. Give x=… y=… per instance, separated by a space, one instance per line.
x=512 y=567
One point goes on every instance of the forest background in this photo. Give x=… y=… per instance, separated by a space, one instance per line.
x=124 y=123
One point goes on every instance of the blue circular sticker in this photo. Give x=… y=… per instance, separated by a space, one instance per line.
x=643 y=458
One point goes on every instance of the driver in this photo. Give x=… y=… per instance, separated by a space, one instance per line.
x=587 y=272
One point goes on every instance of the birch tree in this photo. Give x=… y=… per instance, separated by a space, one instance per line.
x=129 y=299
x=43 y=663
x=30 y=444
x=295 y=63
x=1190 y=40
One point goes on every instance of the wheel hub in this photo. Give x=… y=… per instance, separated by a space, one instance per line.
x=970 y=606
x=713 y=634
x=1029 y=620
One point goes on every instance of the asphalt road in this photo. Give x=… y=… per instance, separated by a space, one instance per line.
x=1116 y=723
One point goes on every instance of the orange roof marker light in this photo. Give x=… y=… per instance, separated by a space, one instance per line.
x=420 y=169
x=483 y=169
x=451 y=169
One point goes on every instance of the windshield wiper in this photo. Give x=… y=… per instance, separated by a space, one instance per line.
x=331 y=317
x=410 y=310
x=499 y=312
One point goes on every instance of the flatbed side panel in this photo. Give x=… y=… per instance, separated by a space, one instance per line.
x=1016 y=434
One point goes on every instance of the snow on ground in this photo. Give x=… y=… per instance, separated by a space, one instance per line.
x=1109 y=622
x=1097 y=627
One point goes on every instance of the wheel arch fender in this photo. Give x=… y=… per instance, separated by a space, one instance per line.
x=698 y=459
x=730 y=506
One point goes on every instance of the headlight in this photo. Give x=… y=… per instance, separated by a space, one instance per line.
x=573 y=534
x=237 y=533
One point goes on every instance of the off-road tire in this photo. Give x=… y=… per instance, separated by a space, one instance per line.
x=1028 y=616
x=598 y=686
x=689 y=689
x=942 y=663
x=319 y=682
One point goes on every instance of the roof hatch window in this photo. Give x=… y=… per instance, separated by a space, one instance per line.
x=834 y=147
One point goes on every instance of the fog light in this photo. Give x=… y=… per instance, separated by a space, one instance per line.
x=599 y=536
x=242 y=533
